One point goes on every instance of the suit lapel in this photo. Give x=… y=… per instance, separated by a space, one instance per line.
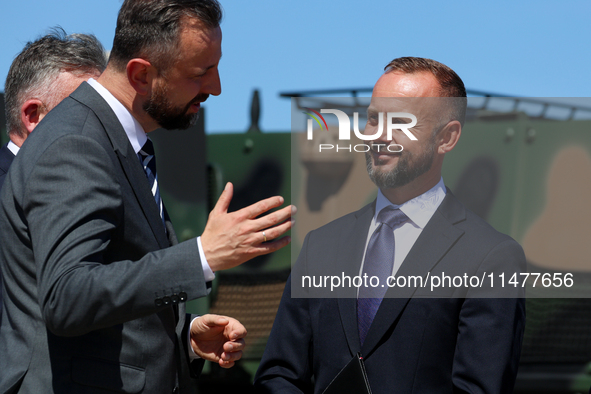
x=127 y=157
x=172 y=239
x=6 y=157
x=140 y=185
x=436 y=239
x=350 y=253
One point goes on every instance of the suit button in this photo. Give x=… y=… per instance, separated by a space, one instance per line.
x=158 y=302
x=183 y=296
x=166 y=300
x=175 y=390
x=174 y=299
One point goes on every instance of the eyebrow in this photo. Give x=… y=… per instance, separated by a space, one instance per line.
x=218 y=62
x=403 y=120
x=214 y=65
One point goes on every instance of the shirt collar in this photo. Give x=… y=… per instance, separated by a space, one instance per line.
x=421 y=208
x=13 y=147
x=135 y=132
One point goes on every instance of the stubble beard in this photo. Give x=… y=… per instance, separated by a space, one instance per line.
x=168 y=116
x=408 y=168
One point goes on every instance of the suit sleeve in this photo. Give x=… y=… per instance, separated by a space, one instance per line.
x=490 y=330
x=286 y=364
x=72 y=203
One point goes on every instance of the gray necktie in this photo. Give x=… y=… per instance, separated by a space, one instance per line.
x=379 y=262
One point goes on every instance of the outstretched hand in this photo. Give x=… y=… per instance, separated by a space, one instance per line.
x=218 y=339
x=230 y=239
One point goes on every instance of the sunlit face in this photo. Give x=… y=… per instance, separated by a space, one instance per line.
x=411 y=93
x=408 y=167
x=177 y=94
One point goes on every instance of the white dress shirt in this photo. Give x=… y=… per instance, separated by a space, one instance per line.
x=419 y=211
x=13 y=148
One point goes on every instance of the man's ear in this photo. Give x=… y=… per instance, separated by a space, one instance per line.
x=449 y=136
x=32 y=111
x=140 y=74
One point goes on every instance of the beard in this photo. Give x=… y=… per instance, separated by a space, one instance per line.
x=169 y=116
x=408 y=168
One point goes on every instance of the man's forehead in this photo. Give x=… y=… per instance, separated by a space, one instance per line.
x=401 y=104
x=194 y=26
x=400 y=84
x=198 y=39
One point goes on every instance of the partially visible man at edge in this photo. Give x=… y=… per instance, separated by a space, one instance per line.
x=412 y=340
x=44 y=73
x=95 y=278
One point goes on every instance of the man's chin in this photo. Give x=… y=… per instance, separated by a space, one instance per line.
x=193 y=119
x=181 y=124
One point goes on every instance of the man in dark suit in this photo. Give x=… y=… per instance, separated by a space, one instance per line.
x=94 y=277
x=44 y=73
x=454 y=339
x=6 y=157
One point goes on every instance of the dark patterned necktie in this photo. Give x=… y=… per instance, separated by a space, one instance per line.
x=379 y=262
x=146 y=156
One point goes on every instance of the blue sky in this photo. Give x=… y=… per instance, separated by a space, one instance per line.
x=522 y=48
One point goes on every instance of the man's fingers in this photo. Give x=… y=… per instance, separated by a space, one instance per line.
x=258 y=208
x=270 y=247
x=234 y=356
x=273 y=232
x=229 y=357
x=223 y=202
x=211 y=320
x=215 y=320
x=230 y=239
x=272 y=219
x=226 y=364
x=236 y=331
x=234 y=346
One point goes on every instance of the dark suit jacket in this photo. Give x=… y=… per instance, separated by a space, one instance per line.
x=6 y=157
x=95 y=290
x=416 y=344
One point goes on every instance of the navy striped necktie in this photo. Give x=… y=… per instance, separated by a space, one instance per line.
x=148 y=160
x=379 y=262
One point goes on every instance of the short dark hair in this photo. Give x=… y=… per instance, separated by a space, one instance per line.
x=451 y=85
x=150 y=29
x=39 y=64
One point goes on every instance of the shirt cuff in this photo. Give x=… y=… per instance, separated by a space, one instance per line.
x=192 y=354
x=207 y=272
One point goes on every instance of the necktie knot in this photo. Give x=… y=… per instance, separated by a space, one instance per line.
x=146 y=156
x=147 y=149
x=391 y=217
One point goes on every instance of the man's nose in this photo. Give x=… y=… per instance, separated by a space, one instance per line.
x=213 y=85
